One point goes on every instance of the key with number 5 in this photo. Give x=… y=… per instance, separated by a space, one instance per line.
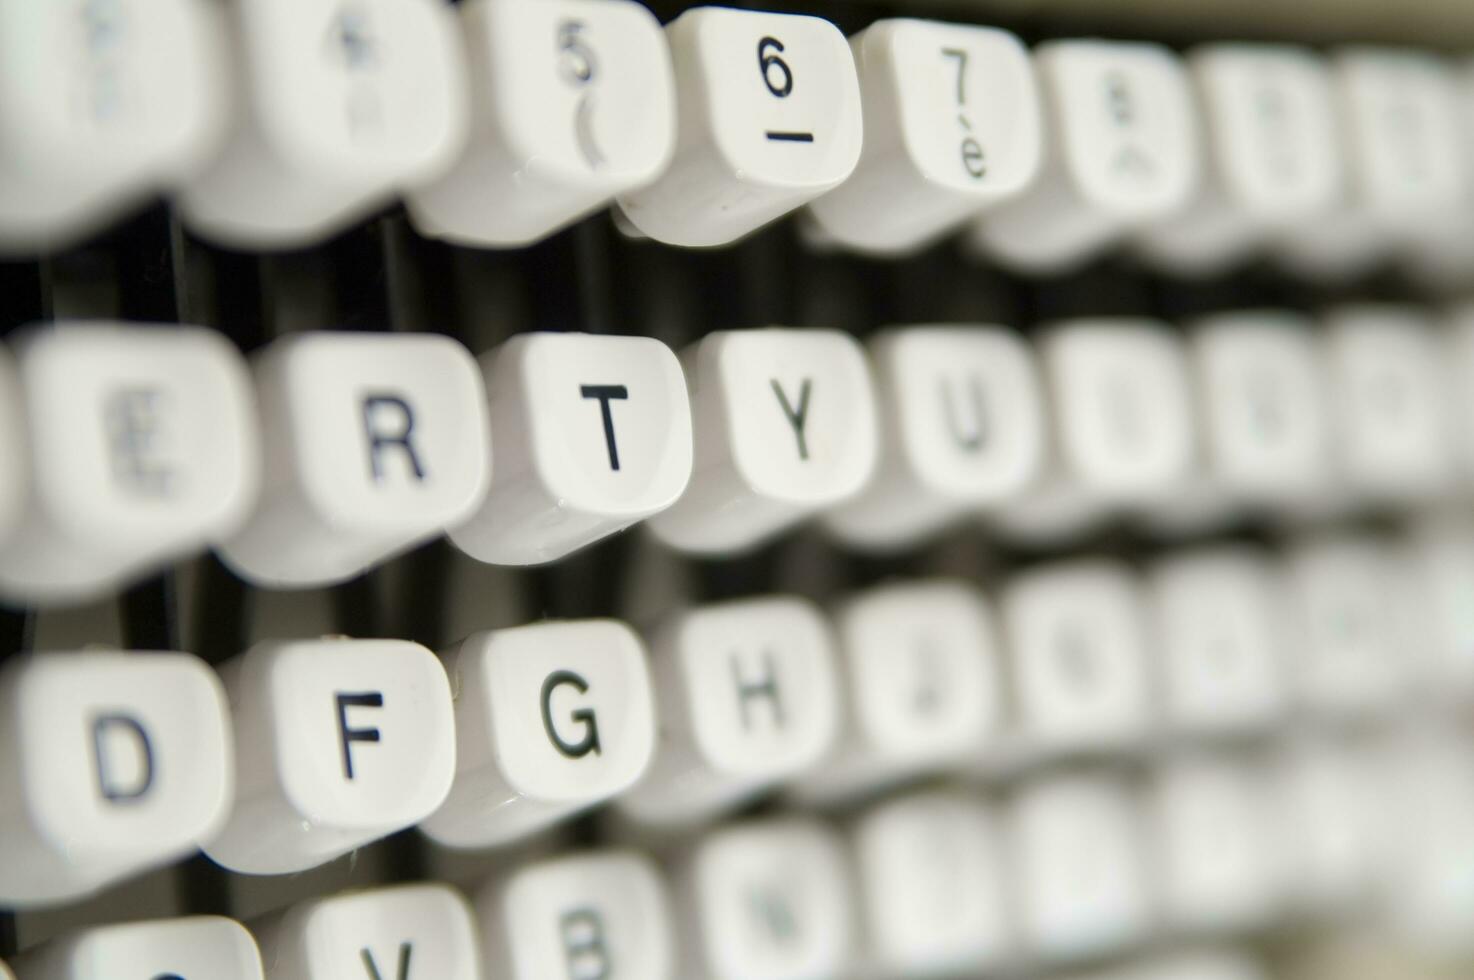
x=769 y=119
x=572 y=102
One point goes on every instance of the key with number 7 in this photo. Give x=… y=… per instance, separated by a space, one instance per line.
x=952 y=125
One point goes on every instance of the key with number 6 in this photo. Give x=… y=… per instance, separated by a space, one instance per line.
x=769 y=118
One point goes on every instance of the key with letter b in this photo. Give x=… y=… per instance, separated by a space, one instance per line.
x=769 y=118
x=115 y=763
x=551 y=719
x=573 y=102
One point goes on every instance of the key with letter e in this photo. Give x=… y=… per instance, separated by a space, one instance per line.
x=338 y=743
x=592 y=434
x=115 y=763
x=768 y=118
x=785 y=426
x=374 y=443
x=551 y=719
x=572 y=103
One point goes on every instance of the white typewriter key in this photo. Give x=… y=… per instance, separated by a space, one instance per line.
x=399 y=933
x=785 y=426
x=602 y=121
x=142 y=449
x=338 y=743
x=592 y=434
x=921 y=665
x=207 y=947
x=1261 y=391
x=1221 y=849
x=768 y=901
x=1124 y=434
x=604 y=914
x=1078 y=863
x=115 y=100
x=932 y=877
x=1077 y=644
x=551 y=719
x=1122 y=153
x=114 y=763
x=1441 y=555
x=962 y=428
x=342 y=105
x=748 y=698
x=1271 y=157
x=1391 y=401
x=373 y=444
x=1459 y=354
x=1347 y=657
x=768 y=118
x=1401 y=134
x=1335 y=822
x=952 y=125
x=1220 y=633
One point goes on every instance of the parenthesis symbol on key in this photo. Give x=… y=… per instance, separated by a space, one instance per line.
x=583 y=127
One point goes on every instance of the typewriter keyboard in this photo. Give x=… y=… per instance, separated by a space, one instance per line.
x=566 y=490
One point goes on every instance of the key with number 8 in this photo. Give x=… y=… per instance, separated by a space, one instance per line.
x=769 y=119
x=572 y=101
x=952 y=124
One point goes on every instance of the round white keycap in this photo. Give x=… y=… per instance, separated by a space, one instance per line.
x=1122 y=153
x=1076 y=637
x=338 y=743
x=1401 y=132
x=768 y=118
x=1222 y=851
x=341 y=105
x=1220 y=631
x=1271 y=159
x=920 y=665
x=933 y=880
x=115 y=99
x=603 y=914
x=785 y=426
x=1390 y=404
x=115 y=763
x=201 y=946
x=572 y=103
x=551 y=719
x=952 y=125
x=142 y=449
x=399 y=933
x=748 y=697
x=767 y=901
x=374 y=443
x=962 y=428
x=592 y=434
x=1079 y=862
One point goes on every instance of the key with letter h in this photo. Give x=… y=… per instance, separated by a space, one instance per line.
x=374 y=443
x=338 y=743
x=748 y=697
x=551 y=719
